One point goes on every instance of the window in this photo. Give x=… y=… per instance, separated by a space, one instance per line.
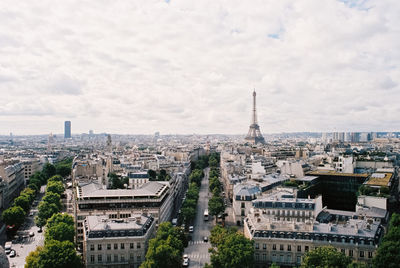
x=108 y=246
x=91 y=248
x=350 y=252
x=122 y=257
x=298 y=259
x=298 y=248
x=257 y=246
x=306 y=248
x=257 y=256
x=273 y=257
x=139 y=258
x=289 y=258
x=115 y=246
x=99 y=246
x=369 y=254
x=131 y=257
x=264 y=246
x=281 y=258
x=343 y=251
x=361 y=254
x=289 y=247
x=108 y=257
x=122 y=246
x=280 y=247
x=243 y=205
x=92 y=258
x=138 y=245
x=274 y=247
x=242 y=213
x=264 y=257
x=131 y=245
x=99 y=258
x=115 y=257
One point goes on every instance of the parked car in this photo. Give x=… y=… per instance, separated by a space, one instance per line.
x=13 y=253
x=205 y=239
x=40 y=230
x=186 y=261
x=31 y=214
x=31 y=234
x=191 y=229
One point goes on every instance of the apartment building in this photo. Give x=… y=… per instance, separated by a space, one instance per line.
x=116 y=242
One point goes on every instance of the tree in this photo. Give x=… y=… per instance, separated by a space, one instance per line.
x=23 y=202
x=38 y=176
x=63 y=170
x=46 y=210
x=213 y=162
x=214 y=184
x=216 y=205
x=55 y=187
x=32 y=260
x=59 y=218
x=30 y=193
x=57 y=254
x=61 y=232
x=165 y=250
x=48 y=170
x=116 y=182
x=325 y=257
x=55 y=178
x=14 y=215
x=152 y=175
x=387 y=255
x=188 y=213
x=53 y=198
x=233 y=251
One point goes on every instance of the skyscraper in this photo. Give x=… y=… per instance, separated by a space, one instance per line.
x=254 y=135
x=67 y=129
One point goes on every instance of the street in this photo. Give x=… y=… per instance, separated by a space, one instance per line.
x=27 y=243
x=197 y=249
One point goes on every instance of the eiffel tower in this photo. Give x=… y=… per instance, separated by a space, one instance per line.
x=254 y=136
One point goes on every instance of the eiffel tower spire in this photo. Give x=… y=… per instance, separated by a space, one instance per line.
x=254 y=135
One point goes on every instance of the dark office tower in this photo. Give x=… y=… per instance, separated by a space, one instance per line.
x=67 y=129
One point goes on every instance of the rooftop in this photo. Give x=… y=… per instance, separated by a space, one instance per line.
x=380 y=179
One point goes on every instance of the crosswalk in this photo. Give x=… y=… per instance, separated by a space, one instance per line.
x=197 y=242
x=199 y=256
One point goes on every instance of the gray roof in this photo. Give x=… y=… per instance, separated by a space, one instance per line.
x=246 y=190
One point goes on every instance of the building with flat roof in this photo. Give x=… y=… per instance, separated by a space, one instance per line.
x=92 y=198
x=116 y=242
x=67 y=129
x=285 y=227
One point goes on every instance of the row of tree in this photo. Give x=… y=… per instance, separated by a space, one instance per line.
x=188 y=210
x=59 y=249
x=15 y=215
x=51 y=202
x=216 y=205
x=166 y=249
x=388 y=253
x=230 y=249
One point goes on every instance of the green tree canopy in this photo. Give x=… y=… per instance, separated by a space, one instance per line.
x=46 y=210
x=23 y=202
x=55 y=187
x=152 y=175
x=30 y=193
x=56 y=254
x=61 y=232
x=387 y=255
x=63 y=170
x=14 y=215
x=325 y=257
x=32 y=260
x=216 y=205
x=53 y=198
x=48 y=170
x=59 y=218
x=55 y=178
x=233 y=251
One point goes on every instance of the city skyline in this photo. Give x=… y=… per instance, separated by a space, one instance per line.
x=179 y=67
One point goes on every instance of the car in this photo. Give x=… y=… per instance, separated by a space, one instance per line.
x=186 y=262
x=31 y=214
x=40 y=230
x=185 y=256
x=205 y=239
x=13 y=253
x=191 y=229
x=31 y=234
x=8 y=251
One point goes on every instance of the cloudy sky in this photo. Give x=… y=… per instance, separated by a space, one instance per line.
x=182 y=66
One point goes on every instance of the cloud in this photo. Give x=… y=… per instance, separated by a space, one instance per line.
x=190 y=66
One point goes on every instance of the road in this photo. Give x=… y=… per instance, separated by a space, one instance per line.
x=28 y=244
x=197 y=249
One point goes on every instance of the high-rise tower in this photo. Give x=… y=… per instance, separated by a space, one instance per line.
x=67 y=129
x=254 y=136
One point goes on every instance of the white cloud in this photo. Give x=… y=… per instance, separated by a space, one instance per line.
x=190 y=66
